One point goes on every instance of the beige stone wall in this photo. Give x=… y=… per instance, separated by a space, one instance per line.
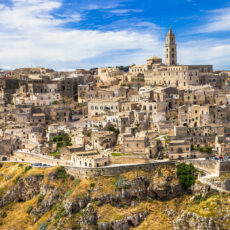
x=97 y=107
x=206 y=165
x=113 y=170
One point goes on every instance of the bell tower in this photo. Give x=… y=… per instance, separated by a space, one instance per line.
x=170 y=49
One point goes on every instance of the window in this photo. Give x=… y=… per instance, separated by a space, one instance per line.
x=172 y=49
x=195 y=110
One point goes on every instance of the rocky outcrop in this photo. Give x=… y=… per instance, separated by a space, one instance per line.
x=75 y=205
x=24 y=190
x=199 y=189
x=50 y=199
x=124 y=224
x=193 y=221
x=89 y=217
x=139 y=189
x=90 y=220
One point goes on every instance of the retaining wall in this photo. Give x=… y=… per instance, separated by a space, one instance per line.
x=211 y=166
x=112 y=170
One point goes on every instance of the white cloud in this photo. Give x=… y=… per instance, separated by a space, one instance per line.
x=218 y=20
x=31 y=35
x=205 y=51
x=125 y=11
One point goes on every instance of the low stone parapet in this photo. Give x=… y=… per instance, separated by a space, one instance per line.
x=112 y=170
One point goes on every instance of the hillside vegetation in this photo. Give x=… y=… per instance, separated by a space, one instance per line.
x=38 y=198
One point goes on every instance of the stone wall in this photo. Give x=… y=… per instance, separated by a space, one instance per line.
x=224 y=167
x=206 y=165
x=36 y=158
x=112 y=170
x=128 y=160
x=211 y=166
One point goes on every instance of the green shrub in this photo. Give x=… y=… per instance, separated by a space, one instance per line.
x=160 y=174
x=67 y=194
x=113 y=129
x=20 y=165
x=29 y=209
x=92 y=185
x=61 y=172
x=18 y=178
x=121 y=183
x=4 y=214
x=76 y=182
x=197 y=199
x=218 y=202
x=55 y=102
x=61 y=212
x=207 y=149
x=186 y=175
x=40 y=199
x=27 y=168
x=42 y=226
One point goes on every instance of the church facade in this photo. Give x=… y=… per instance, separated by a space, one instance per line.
x=170 y=73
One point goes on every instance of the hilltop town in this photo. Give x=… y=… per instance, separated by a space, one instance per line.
x=107 y=117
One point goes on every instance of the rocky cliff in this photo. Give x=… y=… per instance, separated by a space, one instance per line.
x=33 y=198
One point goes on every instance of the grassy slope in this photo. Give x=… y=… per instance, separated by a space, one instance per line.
x=214 y=205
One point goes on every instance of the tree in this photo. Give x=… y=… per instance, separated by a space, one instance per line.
x=186 y=174
x=113 y=129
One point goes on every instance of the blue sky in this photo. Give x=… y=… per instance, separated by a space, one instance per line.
x=63 y=34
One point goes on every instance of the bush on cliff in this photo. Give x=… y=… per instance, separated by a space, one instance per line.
x=186 y=175
x=61 y=172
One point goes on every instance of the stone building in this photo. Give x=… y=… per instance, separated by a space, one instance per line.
x=170 y=49
x=179 y=148
x=98 y=106
x=103 y=139
x=89 y=159
x=170 y=73
x=67 y=151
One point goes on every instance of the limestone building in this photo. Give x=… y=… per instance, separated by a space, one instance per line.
x=170 y=49
x=154 y=72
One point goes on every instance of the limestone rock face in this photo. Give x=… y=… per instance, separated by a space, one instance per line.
x=190 y=221
x=124 y=224
x=89 y=217
x=24 y=190
x=227 y=185
x=200 y=189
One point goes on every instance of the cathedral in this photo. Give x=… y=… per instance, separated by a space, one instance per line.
x=170 y=73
